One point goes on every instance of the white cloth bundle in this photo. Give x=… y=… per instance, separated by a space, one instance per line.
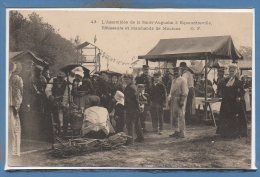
x=96 y=118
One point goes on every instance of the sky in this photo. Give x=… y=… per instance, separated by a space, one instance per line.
x=124 y=45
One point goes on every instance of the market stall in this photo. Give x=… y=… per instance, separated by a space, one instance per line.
x=208 y=48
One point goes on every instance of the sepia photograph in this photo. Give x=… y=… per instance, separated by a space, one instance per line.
x=119 y=88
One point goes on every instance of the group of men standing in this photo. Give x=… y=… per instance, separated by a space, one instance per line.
x=144 y=98
x=179 y=96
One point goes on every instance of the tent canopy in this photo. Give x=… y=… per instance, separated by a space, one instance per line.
x=197 y=48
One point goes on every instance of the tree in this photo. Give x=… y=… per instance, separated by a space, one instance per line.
x=246 y=52
x=41 y=38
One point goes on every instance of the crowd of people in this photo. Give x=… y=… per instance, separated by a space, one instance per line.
x=129 y=101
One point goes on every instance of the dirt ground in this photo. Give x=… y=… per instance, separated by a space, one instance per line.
x=201 y=149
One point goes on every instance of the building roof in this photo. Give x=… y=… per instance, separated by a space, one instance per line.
x=14 y=56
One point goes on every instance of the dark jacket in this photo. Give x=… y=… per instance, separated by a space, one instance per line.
x=58 y=91
x=147 y=81
x=131 y=98
x=158 y=93
x=167 y=81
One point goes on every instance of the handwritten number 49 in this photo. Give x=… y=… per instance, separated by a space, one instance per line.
x=93 y=21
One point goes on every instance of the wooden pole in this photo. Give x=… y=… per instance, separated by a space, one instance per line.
x=107 y=64
x=99 y=65
x=95 y=59
x=206 y=78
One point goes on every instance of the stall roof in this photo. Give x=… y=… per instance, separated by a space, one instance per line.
x=196 y=48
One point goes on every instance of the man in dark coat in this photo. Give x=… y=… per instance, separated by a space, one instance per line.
x=37 y=104
x=132 y=109
x=147 y=81
x=167 y=80
x=104 y=91
x=54 y=92
x=158 y=99
x=220 y=80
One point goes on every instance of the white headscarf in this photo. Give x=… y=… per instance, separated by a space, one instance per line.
x=120 y=98
x=232 y=79
x=79 y=71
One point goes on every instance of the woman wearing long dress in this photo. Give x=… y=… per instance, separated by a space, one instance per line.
x=232 y=118
x=15 y=100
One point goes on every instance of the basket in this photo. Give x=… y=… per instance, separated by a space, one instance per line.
x=76 y=120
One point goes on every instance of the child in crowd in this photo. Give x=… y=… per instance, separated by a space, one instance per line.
x=142 y=98
x=118 y=114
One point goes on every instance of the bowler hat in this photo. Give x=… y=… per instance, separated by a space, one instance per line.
x=183 y=64
x=157 y=74
x=145 y=67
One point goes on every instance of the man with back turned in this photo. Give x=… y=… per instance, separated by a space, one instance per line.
x=132 y=108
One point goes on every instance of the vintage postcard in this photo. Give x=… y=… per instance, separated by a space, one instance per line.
x=130 y=89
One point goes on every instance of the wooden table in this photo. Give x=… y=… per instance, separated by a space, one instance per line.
x=207 y=104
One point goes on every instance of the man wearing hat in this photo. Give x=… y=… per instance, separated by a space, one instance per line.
x=147 y=81
x=178 y=96
x=187 y=74
x=46 y=73
x=167 y=80
x=38 y=85
x=54 y=92
x=220 y=80
x=158 y=99
x=36 y=104
x=103 y=91
x=132 y=108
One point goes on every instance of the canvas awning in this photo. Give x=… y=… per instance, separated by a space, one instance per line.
x=196 y=48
